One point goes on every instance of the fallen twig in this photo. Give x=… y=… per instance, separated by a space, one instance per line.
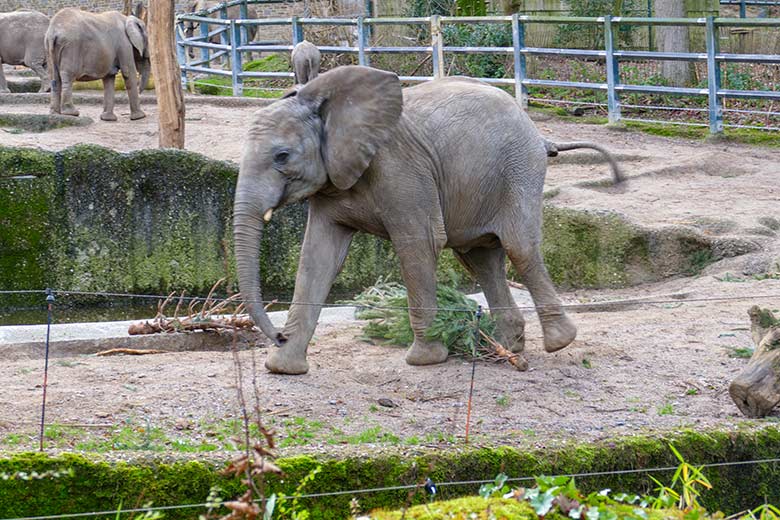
x=130 y=352
x=515 y=359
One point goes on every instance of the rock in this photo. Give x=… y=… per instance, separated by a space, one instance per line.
x=388 y=403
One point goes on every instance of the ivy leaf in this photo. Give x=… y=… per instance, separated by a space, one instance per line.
x=543 y=503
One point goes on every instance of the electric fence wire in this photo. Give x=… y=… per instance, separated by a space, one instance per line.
x=632 y=302
x=660 y=469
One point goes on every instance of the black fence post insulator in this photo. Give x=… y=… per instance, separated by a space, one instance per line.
x=49 y=303
x=478 y=317
x=430 y=487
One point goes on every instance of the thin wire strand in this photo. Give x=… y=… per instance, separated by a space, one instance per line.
x=596 y=304
x=412 y=486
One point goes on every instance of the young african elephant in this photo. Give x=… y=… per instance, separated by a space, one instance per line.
x=21 y=43
x=450 y=163
x=305 y=62
x=85 y=46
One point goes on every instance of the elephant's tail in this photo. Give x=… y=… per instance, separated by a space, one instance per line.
x=554 y=148
x=52 y=56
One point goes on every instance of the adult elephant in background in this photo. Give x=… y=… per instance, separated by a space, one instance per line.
x=22 y=36
x=84 y=46
x=450 y=163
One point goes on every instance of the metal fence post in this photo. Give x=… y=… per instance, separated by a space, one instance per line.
x=223 y=37
x=518 y=44
x=613 y=72
x=713 y=78
x=742 y=9
x=361 y=36
x=437 y=47
x=235 y=59
x=181 y=54
x=297 y=31
x=244 y=14
x=204 y=51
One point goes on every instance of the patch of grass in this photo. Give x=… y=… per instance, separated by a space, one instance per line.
x=666 y=409
x=735 y=135
x=300 y=431
x=372 y=435
x=692 y=391
x=586 y=363
x=741 y=352
x=502 y=400
x=223 y=86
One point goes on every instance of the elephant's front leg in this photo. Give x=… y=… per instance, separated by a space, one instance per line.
x=131 y=84
x=3 y=85
x=108 y=101
x=325 y=247
x=418 y=255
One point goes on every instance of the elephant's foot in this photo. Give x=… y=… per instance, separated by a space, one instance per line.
x=426 y=353
x=45 y=87
x=108 y=116
x=510 y=331
x=137 y=114
x=69 y=110
x=281 y=361
x=559 y=332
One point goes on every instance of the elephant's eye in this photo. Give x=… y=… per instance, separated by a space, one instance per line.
x=281 y=157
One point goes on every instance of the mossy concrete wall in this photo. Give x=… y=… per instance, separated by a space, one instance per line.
x=99 y=484
x=155 y=221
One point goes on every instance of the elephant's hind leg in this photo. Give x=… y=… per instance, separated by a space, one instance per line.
x=488 y=266
x=67 y=96
x=41 y=72
x=418 y=268
x=523 y=247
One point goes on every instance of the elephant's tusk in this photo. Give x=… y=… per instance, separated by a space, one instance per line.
x=268 y=214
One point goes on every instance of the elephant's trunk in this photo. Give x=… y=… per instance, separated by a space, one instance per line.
x=247 y=232
x=145 y=69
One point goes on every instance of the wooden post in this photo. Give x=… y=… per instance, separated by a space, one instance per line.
x=167 y=79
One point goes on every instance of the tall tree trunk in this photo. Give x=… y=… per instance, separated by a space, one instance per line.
x=128 y=8
x=673 y=38
x=165 y=68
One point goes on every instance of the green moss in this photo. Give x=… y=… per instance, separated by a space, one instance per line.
x=25 y=161
x=591 y=250
x=40 y=122
x=464 y=508
x=100 y=485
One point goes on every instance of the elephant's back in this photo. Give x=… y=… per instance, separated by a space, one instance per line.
x=476 y=116
x=74 y=25
x=20 y=30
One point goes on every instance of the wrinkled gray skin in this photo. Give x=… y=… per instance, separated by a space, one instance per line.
x=450 y=163
x=234 y=12
x=305 y=62
x=85 y=46
x=21 y=43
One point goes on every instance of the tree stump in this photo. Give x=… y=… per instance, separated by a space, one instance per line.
x=757 y=389
x=167 y=79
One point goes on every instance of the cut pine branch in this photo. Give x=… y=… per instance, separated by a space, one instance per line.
x=214 y=314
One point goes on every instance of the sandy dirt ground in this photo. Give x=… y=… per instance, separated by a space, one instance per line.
x=650 y=368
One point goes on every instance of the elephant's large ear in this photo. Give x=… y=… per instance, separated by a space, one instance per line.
x=360 y=108
x=136 y=33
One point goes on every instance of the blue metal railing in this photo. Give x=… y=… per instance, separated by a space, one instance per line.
x=236 y=31
x=743 y=4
